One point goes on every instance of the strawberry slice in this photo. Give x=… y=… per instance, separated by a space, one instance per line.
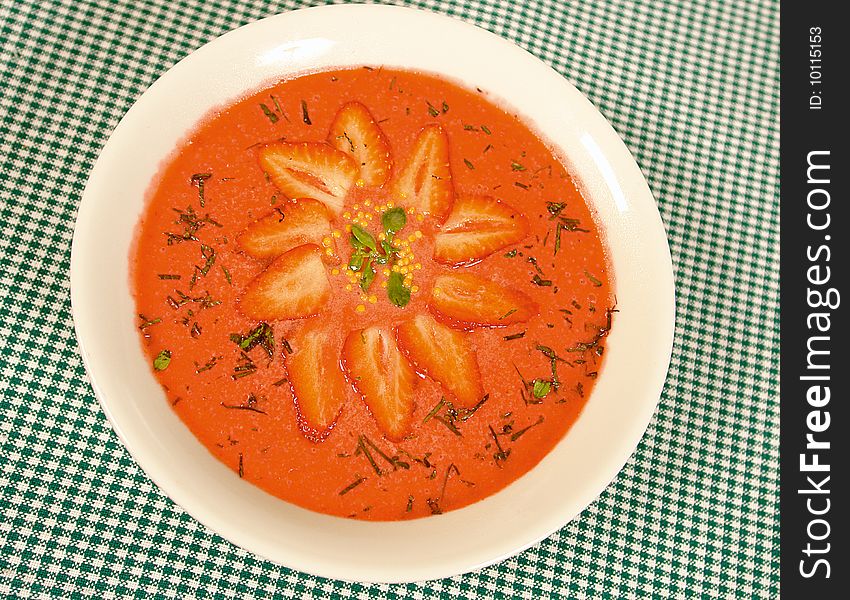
x=355 y=132
x=477 y=226
x=310 y=170
x=382 y=377
x=444 y=355
x=466 y=300
x=294 y=286
x=425 y=183
x=298 y=222
x=316 y=381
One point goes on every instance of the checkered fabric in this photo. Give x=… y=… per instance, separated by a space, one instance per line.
x=692 y=87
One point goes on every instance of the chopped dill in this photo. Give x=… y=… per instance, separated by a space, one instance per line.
x=269 y=113
x=357 y=481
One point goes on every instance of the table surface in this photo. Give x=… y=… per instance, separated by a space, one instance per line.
x=692 y=87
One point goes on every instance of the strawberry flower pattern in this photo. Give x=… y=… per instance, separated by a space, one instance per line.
x=357 y=212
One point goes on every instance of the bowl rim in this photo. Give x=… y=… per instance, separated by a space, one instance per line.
x=616 y=187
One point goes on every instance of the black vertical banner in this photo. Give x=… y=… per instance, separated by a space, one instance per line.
x=815 y=100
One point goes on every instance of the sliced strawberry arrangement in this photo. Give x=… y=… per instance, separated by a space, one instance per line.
x=355 y=132
x=310 y=170
x=468 y=300
x=382 y=377
x=477 y=226
x=294 y=286
x=316 y=381
x=298 y=222
x=444 y=355
x=425 y=182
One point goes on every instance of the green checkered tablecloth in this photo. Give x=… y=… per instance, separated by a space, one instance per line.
x=692 y=87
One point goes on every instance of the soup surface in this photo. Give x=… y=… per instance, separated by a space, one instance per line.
x=371 y=292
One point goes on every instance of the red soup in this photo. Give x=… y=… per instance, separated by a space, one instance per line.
x=372 y=293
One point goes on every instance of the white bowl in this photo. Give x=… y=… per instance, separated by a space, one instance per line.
x=539 y=503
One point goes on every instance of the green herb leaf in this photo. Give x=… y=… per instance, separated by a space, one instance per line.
x=468 y=164
x=541 y=387
x=431 y=110
x=162 y=360
x=398 y=294
x=388 y=250
x=364 y=237
x=367 y=277
x=356 y=261
x=515 y=166
x=485 y=129
x=536 y=280
x=394 y=219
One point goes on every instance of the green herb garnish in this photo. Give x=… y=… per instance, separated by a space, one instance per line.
x=514 y=336
x=485 y=129
x=248 y=407
x=261 y=335
x=305 y=116
x=593 y=279
x=146 y=322
x=397 y=292
x=367 y=277
x=519 y=433
x=162 y=360
x=362 y=449
x=508 y=314
x=558 y=229
x=502 y=454
x=555 y=208
x=269 y=113
x=208 y=365
x=515 y=166
x=357 y=481
x=363 y=237
x=198 y=179
x=468 y=164
x=393 y=220
x=536 y=280
x=541 y=387
x=432 y=110
x=435 y=410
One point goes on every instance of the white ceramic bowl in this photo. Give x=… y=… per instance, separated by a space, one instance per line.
x=539 y=503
